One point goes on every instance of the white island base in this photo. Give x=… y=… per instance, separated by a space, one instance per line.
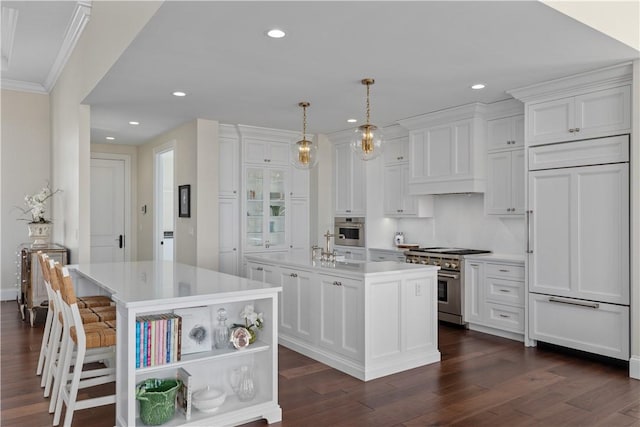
x=365 y=319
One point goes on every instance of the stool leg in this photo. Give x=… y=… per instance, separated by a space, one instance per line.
x=45 y=340
x=69 y=397
x=61 y=382
x=52 y=356
x=61 y=369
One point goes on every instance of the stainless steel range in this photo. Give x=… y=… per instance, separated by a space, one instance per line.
x=450 y=278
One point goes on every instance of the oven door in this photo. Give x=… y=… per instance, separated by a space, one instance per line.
x=449 y=297
x=349 y=234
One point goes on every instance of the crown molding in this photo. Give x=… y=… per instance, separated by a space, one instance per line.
x=463 y=112
x=228 y=131
x=505 y=108
x=78 y=22
x=8 y=31
x=279 y=135
x=579 y=83
x=21 y=86
x=394 y=131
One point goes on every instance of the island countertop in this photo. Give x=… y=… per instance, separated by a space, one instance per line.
x=351 y=268
x=146 y=282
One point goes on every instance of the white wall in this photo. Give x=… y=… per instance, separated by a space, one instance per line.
x=97 y=50
x=24 y=169
x=206 y=194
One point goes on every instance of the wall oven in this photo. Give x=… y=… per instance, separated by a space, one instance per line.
x=349 y=231
x=450 y=278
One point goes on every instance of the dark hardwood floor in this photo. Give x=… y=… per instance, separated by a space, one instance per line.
x=482 y=381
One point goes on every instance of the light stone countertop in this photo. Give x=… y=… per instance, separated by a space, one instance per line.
x=348 y=268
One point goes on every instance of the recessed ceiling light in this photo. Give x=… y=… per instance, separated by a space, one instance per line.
x=276 y=33
x=134 y=123
x=352 y=120
x=178 y=93
x=110 y=138
x=478 y=86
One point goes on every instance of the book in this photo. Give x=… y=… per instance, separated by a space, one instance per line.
x=184 y=393
x=196 y=329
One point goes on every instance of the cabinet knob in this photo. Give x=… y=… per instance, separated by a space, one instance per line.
x=259 y=268
x=577 y=129
x=571 y=130
x=234 y=249
x=235 y=192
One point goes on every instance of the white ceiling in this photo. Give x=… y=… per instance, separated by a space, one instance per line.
x=424 y=56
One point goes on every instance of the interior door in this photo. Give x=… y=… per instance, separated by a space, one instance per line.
x=108 y=238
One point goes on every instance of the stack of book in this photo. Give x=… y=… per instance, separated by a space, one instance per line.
x=158 y=339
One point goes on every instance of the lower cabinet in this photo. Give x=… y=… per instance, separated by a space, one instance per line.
x=494 y=296
x=367 y=326
x=595 y=327
x=341 y=310
x=298 y=289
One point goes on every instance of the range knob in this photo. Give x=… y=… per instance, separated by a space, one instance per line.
x=454 y=265
x=447 y=265
x=436 y=263
x=424 y=261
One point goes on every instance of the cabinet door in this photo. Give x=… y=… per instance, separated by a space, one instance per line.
x=342 y=178
x=255 y=208
x=517 y=182
x=254 y=151
x=498 y=196
x=603 y=112
x=393 y=194
x=278 y=153
x=329 y=326
x=473 y=292
x=228 y=176
x=277 y=209
x=299 y=220
x=579 y=232
x=288 y=301
x=350 y=321
x=358 y=186
x=518 y=131
x=438 y=150
x=299 y=184
x=228 y=232
x=255 y=271
x=499 y=133
x=396 y=151
x=550 y=121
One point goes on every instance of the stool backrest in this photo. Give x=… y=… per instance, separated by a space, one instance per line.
x=66 y=284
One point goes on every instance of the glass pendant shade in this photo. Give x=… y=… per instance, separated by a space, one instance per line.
x=368 y=139
x=304 y=153
x=367 y=142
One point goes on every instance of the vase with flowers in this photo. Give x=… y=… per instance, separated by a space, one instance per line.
x=252 y=322
x=35 y=206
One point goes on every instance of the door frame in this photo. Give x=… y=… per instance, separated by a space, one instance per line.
x=130 y=239
x=157 y=152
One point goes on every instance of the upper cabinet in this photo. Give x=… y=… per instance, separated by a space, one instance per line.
x=584 y=106
x=505 y=133
x=601 y=113
x=228 y=161
x=446 y=151
x=266 y=146
x=349 y=179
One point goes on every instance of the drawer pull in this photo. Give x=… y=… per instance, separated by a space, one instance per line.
x=506 y=291
x=504 y=316
x=503 y=270
x=259 y=268
x=573 y=302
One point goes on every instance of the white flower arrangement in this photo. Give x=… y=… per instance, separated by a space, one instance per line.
x=251 y=320
x=36 y=203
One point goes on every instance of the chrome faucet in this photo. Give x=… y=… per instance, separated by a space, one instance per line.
x=327 y=254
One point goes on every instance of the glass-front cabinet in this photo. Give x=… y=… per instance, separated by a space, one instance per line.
x=266 y=199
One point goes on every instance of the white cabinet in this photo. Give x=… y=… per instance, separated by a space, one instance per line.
x=349 y=182
x=299 y=183
x=505 y=183
x=495 y=296
x=260 y=151
x=378 y=255
x=584 y=325
x=299 y=226
x=265 y=273
x=229 y=237
x=299 y=293
x=447 y=151
x=341 y=316
x=593 y=114
x=396 y=151
x=505 y=133
x=397 y=200
x=266 y=202
x=579 y=232
x=350 y=252
x=228 y=161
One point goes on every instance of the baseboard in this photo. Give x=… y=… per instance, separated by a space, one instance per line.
x=634 y=367
x=498 y=332
x=8 y=294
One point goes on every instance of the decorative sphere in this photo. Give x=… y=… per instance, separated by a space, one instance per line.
x=304 y=154
x=367 y=141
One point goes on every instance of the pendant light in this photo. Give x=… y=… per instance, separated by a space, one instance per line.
x=304 y=153
x=367 y=141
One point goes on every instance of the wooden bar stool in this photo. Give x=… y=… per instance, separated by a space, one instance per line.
x=52 y=371
x=42 y=260
x=77 y=340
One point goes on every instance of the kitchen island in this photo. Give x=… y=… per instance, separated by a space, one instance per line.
x=160 y=288
x=367 y=319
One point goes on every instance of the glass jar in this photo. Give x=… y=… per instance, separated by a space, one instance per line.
x=242 y=383
x=221 y=332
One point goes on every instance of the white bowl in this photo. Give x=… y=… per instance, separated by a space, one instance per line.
x=208 y=399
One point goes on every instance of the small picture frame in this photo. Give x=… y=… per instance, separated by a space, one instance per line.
x=184 y=201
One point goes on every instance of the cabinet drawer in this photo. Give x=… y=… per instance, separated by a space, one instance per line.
x=504 y=291
x=505 y=317
x=504 y=270
x=599 y=328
